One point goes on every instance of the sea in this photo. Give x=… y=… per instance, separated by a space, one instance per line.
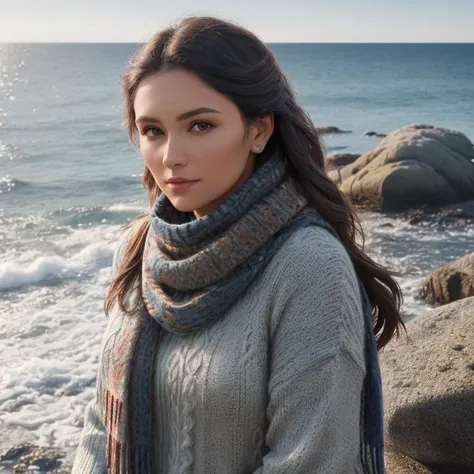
x=70 y=180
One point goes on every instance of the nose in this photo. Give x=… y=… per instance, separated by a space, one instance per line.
x=173 y=155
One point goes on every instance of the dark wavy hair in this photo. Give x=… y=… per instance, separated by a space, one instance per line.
x=240 y=66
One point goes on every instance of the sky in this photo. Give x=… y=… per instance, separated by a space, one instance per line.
x=327 y=21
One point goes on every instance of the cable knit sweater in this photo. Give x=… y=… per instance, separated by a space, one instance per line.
x=274 y=386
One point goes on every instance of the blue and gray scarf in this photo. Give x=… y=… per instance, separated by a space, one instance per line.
x=193 y=270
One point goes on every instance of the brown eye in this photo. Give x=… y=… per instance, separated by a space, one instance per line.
x=207 y=126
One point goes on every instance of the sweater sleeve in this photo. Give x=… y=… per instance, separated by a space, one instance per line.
x=90 y=454
x=317 y=361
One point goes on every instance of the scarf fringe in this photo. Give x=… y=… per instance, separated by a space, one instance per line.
x=373 y=460
x=141 y=462
x=115 y=452
x=373 y=415
x=117 y=456
x=372 y=449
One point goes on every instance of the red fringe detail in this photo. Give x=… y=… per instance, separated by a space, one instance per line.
x=115 y=453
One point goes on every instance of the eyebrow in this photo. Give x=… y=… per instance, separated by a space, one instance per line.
x=184 y=116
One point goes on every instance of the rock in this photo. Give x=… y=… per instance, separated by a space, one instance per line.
x=414 y=166
x=374 y=134
x=429 y=413
x=457 y=213
x=450 y=282
x=330 y=130
x=396 y=463
x=16 y=452
x=339 y=160
x=27 y=458
x=334 y=174
x=461 y=209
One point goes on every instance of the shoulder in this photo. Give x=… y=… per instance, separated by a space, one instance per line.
x=313 y=254
x=315 y=294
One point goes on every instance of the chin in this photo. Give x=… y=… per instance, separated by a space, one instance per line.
x=184 y=204
x=181 y=205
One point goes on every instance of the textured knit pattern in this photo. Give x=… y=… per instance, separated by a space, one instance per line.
x=273 y=386
x=188 y=282
x=186 y=286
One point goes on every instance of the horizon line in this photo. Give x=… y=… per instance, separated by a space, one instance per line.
x=266 y=42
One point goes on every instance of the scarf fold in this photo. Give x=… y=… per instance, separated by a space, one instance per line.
x=193 y=270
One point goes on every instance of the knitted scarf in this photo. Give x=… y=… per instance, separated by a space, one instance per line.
x=193 y=270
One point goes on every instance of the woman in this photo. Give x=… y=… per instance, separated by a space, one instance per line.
x=240 y=338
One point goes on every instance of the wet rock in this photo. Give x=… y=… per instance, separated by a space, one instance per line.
x=450 y=282
x=16 y=452
x=331 y=130
x=453 y=214
x=374 y=134
x=28 y=458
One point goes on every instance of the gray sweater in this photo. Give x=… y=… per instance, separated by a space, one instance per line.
x=274 y=386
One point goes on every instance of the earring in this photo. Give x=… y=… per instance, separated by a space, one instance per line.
x=258 y=148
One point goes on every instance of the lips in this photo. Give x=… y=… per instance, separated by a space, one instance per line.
x=180 y=180
x=180 y=185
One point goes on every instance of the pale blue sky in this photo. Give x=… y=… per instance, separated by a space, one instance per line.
x=272 y=20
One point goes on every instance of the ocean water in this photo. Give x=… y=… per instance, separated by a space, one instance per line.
x=69 y=180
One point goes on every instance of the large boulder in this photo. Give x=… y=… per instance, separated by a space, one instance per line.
x=413 y=166
x=428 y=383
x=450 y=282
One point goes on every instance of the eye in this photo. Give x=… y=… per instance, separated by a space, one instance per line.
x=154 y=132
x=207 y=126
x=151 y=131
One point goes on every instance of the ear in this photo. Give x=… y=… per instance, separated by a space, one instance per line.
x=263 y=127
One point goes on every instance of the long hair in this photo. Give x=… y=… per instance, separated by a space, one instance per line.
x=240 y=66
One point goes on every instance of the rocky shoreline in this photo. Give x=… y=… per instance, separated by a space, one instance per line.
x=425 y=175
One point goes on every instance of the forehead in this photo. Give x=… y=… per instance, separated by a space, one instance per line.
x=175 y=92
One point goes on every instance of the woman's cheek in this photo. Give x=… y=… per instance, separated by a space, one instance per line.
x=149 y=154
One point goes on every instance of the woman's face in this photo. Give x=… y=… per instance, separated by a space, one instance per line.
x=209 y=148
